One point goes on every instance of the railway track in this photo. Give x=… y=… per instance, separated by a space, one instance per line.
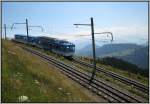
x=123 y=79
x=97 y=86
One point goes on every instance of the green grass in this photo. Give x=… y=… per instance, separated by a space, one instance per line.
x=125 y=73
x=21 y=69
x=107 y=78
x=104 y=77
x=131 y=89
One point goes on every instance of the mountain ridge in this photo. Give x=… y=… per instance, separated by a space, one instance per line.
x=133 y=53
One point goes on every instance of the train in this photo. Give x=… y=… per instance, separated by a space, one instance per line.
x=60 y=47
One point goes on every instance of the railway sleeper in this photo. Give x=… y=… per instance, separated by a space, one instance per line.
x=47 y=58
x=118 y=77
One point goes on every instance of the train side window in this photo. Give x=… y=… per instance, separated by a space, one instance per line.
x=68 y=48
x=62 y=48
x=65 y=48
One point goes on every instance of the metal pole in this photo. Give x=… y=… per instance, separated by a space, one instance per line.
x=27 y=30
x=5 y=31
x=93 y=44
x=94 y=55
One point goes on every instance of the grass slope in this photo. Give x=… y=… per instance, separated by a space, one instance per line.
x=138 y=77
x=26 y=74
x=108 y=79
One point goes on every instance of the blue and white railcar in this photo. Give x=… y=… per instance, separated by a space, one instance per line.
x=60 y=47
x=64 y=48
x=23 y=39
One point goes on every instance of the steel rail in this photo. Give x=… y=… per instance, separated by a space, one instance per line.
x=123 y=79
x=75 y=77
x=121 y=97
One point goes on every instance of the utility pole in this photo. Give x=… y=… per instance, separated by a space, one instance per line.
x=94 y=54
x=27 y=30
x=27 y=27
x=5 y=31
x=93 y=44
x=5 y=28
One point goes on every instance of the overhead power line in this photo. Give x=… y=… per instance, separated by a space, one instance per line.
x=38 y=27
x=93 y=43
x=27 y=27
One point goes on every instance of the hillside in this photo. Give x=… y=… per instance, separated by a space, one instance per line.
x=122 y=65
x=26 y=75
x=132 y=53
x=107 y=49
x=42 y=82
x=138 y=57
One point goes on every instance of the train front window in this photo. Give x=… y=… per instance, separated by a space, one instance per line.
x=73 y=47
x=69 y=48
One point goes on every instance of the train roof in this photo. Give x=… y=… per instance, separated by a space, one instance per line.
x=47 y=38
x=59 y=41
x=24 y=35
x=20 y=35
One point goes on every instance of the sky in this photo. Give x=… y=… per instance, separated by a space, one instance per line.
x=128 y=21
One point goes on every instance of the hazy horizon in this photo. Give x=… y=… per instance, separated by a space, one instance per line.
x=128 y=21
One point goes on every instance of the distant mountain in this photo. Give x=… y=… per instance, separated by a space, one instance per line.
x=133 y=53
x=138 y=57
x=108 y=49
x=123 y=65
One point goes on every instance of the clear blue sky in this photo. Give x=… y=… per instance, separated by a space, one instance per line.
x=127 y=20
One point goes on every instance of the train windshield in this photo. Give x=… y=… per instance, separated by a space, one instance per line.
x=70 y=48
